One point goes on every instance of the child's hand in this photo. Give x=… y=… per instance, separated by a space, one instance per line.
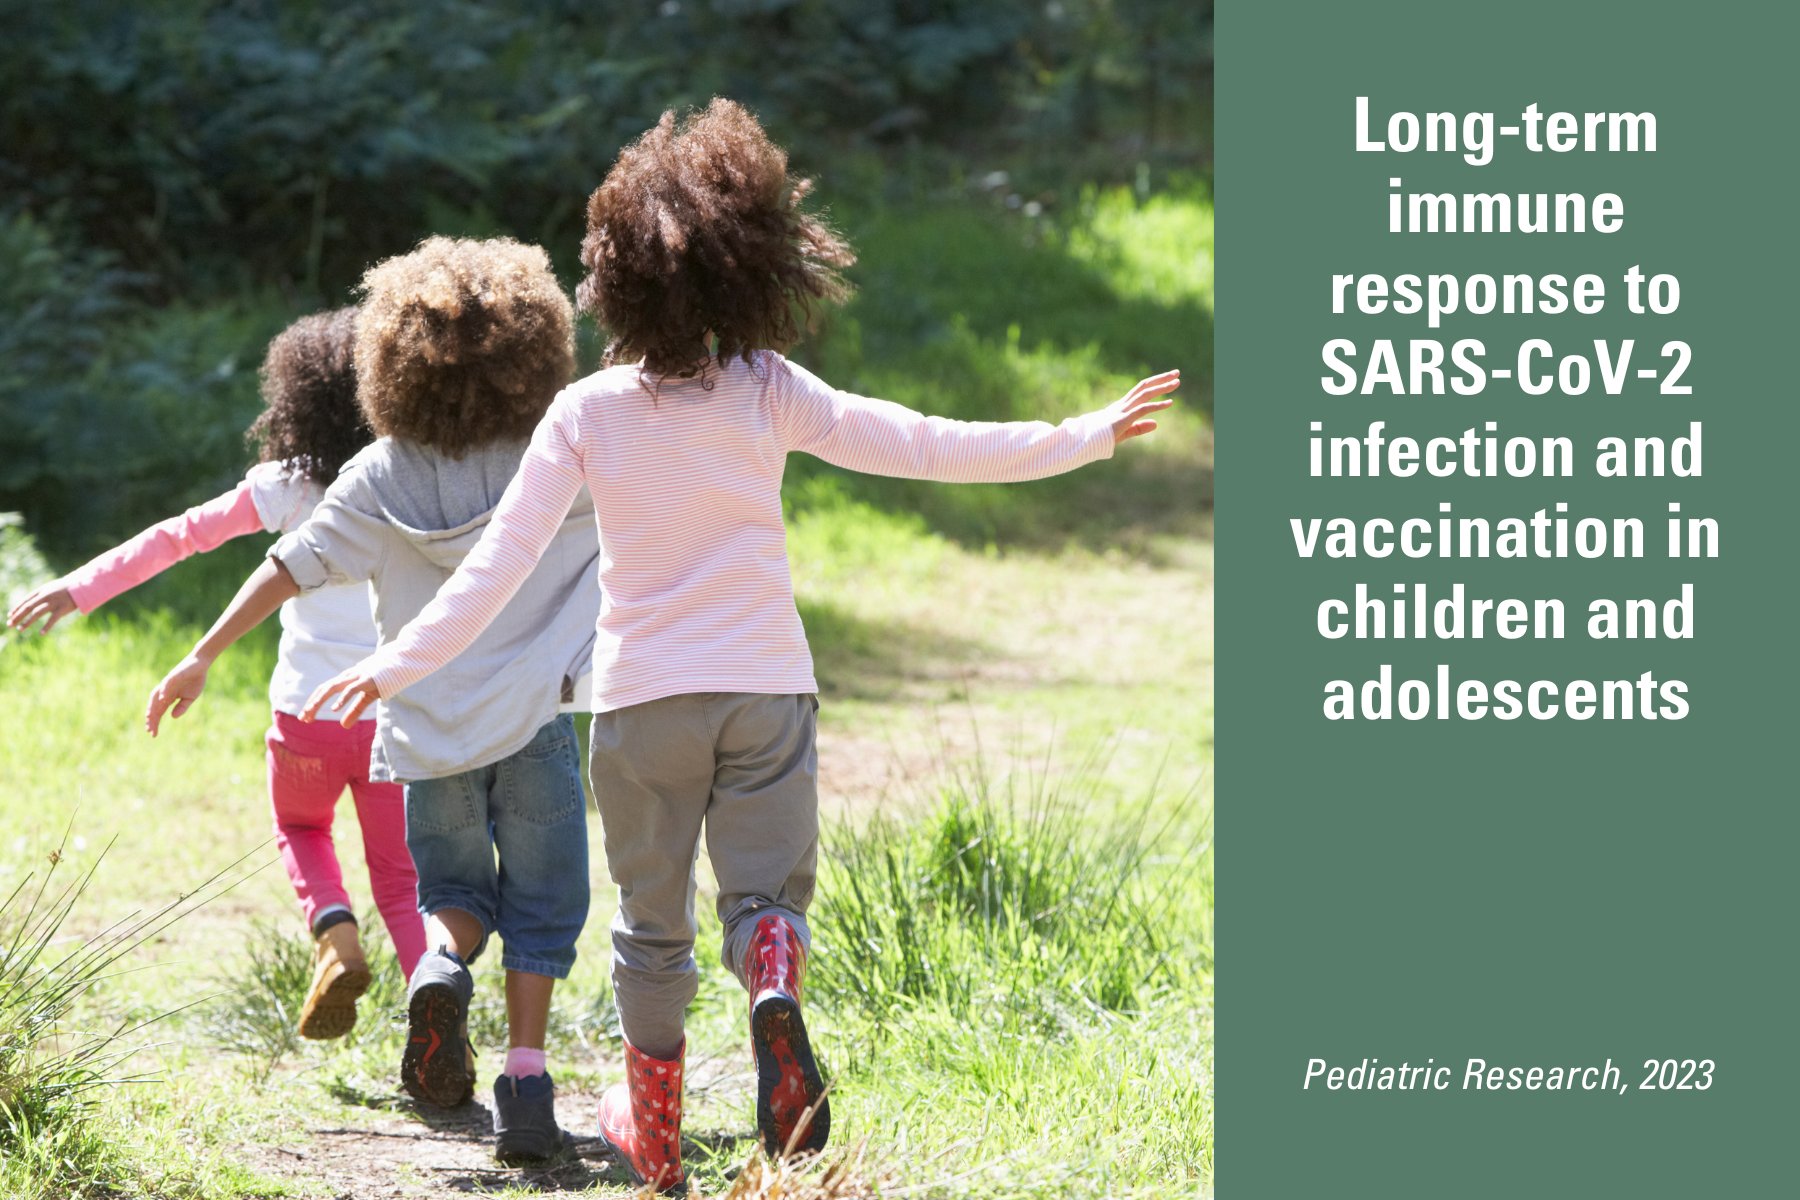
x=52 y=600
x=358 y=691
x=1130 y=415
x=180 y=687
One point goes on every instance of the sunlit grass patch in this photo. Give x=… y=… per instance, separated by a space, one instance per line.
x=1160 y=247
x=992 y=904
x=262 y=989
x=982 y=315
x=61 y=1058
x=1014 y=988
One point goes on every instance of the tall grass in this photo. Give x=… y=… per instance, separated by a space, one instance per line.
x=1018 y=988
x=53 y=1070
x=261 y=992
x=990 y=903
x=46 y=1081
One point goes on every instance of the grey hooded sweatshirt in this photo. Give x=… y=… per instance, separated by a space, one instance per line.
x=402 y=516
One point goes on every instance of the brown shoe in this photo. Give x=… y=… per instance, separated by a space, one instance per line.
x=340 y=975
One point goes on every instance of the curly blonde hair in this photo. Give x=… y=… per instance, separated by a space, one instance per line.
x=310 y=420
x=462 y=342
x=698 y=230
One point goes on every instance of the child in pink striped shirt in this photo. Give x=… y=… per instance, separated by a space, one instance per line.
x=309 y=426
x=699 y=257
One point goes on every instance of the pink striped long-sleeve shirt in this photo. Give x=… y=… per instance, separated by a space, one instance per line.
x=686 y=481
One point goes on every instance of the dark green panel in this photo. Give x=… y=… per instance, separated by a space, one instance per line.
x=1528 y=892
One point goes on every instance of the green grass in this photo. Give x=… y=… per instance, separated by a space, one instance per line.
x=51 y=1072
x=60 y=1057
x=1006 y=959
x=983 y=314
x=1012 y=988
x=1053 y=753
x=982 y=906
x=938 y=654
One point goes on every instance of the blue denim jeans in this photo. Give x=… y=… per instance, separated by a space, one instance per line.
x=507 y=843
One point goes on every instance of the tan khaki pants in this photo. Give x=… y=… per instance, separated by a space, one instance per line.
x=745 y=767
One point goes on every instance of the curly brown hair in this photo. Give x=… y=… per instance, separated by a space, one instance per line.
x=310 y=420
x=462 y=342
x=698 y=230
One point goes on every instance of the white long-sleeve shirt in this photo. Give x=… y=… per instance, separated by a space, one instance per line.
x=686 y=482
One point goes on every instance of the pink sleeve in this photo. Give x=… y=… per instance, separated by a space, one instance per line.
x=884 y=438
x=164 y=544
x=534 y=507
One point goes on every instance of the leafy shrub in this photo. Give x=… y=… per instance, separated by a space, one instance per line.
x=159 y=423
x=115 y=417
x=1116 y=286
x=21 y=566
x=53 y=305
x=982 y=315
x=252 y=159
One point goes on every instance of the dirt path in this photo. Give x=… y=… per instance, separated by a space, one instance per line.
x=397 y=1155
x=419 y=1153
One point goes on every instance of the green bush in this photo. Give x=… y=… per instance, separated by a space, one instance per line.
x=22 y=567
x=983 y=314
x=116 y=416
x=53 y=308
x=181 y=179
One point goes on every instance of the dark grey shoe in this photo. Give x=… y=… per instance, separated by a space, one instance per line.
x=525 y=1127
x=438 y=1065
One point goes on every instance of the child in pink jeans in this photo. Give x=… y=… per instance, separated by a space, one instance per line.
x=699 y=257
x=310 y=425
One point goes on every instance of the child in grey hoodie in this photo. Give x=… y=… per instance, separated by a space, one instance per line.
x=460 y=347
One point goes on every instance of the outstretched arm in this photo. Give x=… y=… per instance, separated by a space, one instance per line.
x=156 y=549
x=535 y=505
x=264 y=592
x=883 y=438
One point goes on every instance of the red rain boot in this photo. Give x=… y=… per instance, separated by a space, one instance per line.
x=641 y=1118
x=792 y=1112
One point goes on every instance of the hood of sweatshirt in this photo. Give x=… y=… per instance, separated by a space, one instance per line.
x=441 y=504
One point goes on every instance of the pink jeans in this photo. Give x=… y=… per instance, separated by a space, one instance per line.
x=309 y=768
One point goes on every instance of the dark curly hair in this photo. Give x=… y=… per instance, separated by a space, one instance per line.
x=310 y=420
x=698 y=230
x=462 y=342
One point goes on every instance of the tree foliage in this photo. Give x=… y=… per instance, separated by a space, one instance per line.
x=295 y=139
x=178 y=176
